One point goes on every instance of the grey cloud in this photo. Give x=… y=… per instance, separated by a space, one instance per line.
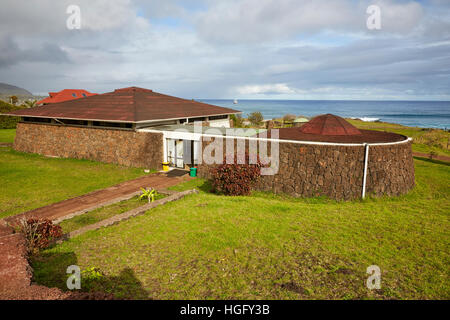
x=11 y=54
x=267 y=20
x=265 y=46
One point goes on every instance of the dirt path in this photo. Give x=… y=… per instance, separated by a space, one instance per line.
x=90 y=201
x=426 y=155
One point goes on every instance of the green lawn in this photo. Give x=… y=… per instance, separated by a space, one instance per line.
x=7 y=135
x=29 y=181
x=103 y=213
x=207 y=246
x=424 y=140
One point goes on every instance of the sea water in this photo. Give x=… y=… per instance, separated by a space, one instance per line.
x=424 y=114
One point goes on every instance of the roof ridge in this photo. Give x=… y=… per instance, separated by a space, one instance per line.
x=128 y=105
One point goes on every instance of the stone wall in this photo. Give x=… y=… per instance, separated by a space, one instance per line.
x=124 y=147
x=335 y=171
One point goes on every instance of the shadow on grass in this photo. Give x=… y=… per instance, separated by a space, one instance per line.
x=433 y=161
x=50 y=270
x=206 y=186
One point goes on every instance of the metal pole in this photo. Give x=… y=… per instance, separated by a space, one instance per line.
x=366 y=160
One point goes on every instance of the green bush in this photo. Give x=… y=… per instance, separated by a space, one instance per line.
x=7 y=122
x=237 y=120
x=255 y=118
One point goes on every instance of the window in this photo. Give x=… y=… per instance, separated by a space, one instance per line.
x=183 y=121
x=74 y=95
x=196 y=119
x=112 y=124
x=74 y=122
x=40 y=120
x=218 y=117
x=84 y=95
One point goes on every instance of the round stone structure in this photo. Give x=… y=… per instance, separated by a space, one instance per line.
x=330 y=157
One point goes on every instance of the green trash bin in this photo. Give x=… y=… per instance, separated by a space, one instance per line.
x=193 y=172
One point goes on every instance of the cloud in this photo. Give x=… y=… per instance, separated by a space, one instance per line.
x=237 y=48
x=277 y=88
x=267 y=20
x=12 y=54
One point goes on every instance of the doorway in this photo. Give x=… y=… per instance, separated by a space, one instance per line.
x=182 y=152
x=175 y=153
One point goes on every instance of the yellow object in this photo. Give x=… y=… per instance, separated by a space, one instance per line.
x=165 y=166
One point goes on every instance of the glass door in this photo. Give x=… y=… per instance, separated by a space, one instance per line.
x=175 y=153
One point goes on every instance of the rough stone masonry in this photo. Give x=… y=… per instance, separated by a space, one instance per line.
x=335 y=171
x=124 y=147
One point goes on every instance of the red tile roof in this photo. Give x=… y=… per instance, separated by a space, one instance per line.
x=329 y=125
x=331 y=128
x=126 y=105
x=366 y=136
x=65 y=95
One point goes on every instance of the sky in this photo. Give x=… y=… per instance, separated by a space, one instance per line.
x=231 y=49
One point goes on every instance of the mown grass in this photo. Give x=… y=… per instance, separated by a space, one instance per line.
x=103 y=213
x=424 y=140
x=7 y=135
x=29 y=181
x=269 y=246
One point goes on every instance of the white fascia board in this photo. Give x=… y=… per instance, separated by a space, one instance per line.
x=198 y=136
x=179 y=135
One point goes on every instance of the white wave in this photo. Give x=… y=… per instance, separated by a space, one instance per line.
x=366 y=119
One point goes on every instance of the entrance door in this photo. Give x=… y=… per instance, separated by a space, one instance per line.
x=175 y=153
x=179 y=154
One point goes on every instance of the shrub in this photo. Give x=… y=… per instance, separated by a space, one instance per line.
x=255 y=118
x=7 y=122
x=238 y=122
x=150 y=194
x=289 y=117
x=39 y=233
x=235 y=179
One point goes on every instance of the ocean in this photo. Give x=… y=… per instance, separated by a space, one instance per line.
x=424 y=114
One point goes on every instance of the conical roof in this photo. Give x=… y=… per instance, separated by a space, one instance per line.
x=329 y=125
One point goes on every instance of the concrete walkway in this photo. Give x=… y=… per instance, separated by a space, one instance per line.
x=68 y=208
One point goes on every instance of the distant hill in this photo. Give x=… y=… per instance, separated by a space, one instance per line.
x=7 y=89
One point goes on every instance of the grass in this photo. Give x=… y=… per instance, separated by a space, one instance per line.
x=7 y=135
x=424 y=140
x=269 y=246
x=29 y=181
x=103 y=213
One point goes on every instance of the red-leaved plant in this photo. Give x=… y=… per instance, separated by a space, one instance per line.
x=39 y=233
x=235 y=179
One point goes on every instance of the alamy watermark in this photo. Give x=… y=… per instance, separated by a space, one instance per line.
x=374 y=280
x=74 y=19
x=74 y=280
x=233 y=146
x=374 y=20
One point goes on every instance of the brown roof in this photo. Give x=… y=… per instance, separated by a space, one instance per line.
x=127 y=105
x=366 y=136
x=329 y=125
x=331 y=128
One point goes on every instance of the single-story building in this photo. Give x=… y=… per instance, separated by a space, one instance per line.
x=65 y=95
x=129 y=126
x=141 y=128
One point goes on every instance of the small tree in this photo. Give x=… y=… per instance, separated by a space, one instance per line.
x=432 y=154
x=30 y=103
x=256 y=118
x=238 y=122
x=289 y=117
x=13 y=100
